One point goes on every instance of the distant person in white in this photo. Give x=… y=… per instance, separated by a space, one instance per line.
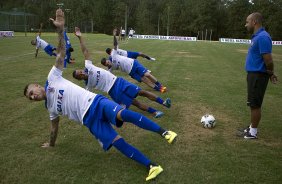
x=130 y=33
x=122 y=34
x=39 y=43
x=94 y=111
x=120 y=90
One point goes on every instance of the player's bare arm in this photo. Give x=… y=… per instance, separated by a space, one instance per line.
x=82 y=43
x=36 y=52
x=59 y=23
x=40 y=29
x=53 y=133
x=270 y=67
x=115 y=39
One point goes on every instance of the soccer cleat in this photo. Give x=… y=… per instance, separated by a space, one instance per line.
x=162 y=89
x=167 y=103
x=169 y=136
x=248 y=135
x=152 y=59
x=244 y=130
x=158 y=114
x=154 y=172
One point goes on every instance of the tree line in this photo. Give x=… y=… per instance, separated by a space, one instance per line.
x=220 y=18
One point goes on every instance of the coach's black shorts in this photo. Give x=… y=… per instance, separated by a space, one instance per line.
x=257 y=83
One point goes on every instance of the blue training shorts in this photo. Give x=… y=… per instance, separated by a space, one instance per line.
x=123 y=92
x=99 y=117
x=132 y=55
x=137 y=71
x=49 y=50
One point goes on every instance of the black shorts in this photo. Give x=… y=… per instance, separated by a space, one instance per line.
x=257 y=83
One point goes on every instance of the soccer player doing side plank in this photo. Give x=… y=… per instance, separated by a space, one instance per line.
x=94 y=111
x=120 y=90
x=131 y=67
x=39 y=43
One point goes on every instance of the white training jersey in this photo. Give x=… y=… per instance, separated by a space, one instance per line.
x=40 y=43
x=122 y=31
x=131 y=31
x=122 y=52
x=66 y=98
x=124 y=63
x=99 y=78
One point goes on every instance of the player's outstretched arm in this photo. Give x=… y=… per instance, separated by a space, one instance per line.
x=53 y=133
x=40 y=29
x=115 y=39
x=82 y=43
x=59 y=23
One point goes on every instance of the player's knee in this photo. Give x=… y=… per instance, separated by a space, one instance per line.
x=116 y=138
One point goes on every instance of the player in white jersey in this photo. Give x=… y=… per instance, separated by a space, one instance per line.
x=131 y=67
x=130 y=54
x=130 y=33
x=94 y=111
x=39 y=43
x=120 y=90
x=122 y=33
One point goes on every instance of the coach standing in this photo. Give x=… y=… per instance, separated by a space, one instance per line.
x=260 y=69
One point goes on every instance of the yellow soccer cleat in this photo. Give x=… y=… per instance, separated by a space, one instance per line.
x=154 y=172
x=170 y=136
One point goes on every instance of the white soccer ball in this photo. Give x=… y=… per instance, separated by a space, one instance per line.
x=208 y=121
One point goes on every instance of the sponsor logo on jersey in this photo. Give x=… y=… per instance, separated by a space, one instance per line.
x=60 y=100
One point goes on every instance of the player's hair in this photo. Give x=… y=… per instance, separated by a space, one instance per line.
x=108 y=51
x=71 y=49
x=25 y=89
x=103 y=61
x=74 y=74
x=257 y=17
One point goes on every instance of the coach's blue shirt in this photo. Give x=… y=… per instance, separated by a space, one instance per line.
x=261 y=44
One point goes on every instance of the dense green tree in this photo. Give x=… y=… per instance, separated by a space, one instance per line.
x=225 y=18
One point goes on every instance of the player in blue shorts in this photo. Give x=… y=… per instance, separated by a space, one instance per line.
x=62 y=97
x=131 y=67
x=39 y=43
x=120 y=90
x=69 y=49
x=130 y=54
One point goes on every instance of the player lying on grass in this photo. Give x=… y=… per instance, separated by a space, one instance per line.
x=62 y=97
x=131 y=67
x=39 y=43
x=120 y=90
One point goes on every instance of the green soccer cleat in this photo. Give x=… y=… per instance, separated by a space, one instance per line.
x=154 y=172
x=169 y=136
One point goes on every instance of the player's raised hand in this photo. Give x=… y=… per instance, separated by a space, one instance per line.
x=77 y=32
x=60 y=20
x=115 y=32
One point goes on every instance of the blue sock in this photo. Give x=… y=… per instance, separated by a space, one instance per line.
x=159 y=100
x=151 y=110
x=157 y=88
x=139 y=120
x=158 y=84
x=131 y=152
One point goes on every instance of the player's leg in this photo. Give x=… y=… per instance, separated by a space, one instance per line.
x=144 y=107
x=131 y=152
x=143 y=122
x=153 y=97
x=147 y=57
x=155 y=81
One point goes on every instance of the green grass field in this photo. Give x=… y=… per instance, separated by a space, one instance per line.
x=202 y=77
